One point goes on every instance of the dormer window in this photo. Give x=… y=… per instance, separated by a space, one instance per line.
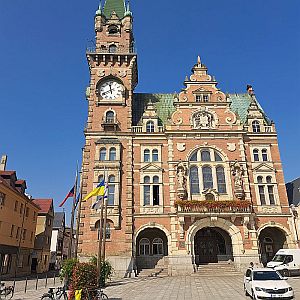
x=150 y=126
x=113 y=29
x=255 y=126
x=112 y=49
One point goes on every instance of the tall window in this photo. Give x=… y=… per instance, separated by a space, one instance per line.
x=207 y=178
x=205 y=98
x=157 y=246
x=112 y=154
x=110 y=117
x=270 y=190
x=111 y=190
x=155 y=190
x=264 y=154
x=146 y=155
x=261 y=190
x=146 y=190
x=194 y=180
x=108 y=231
x=102 y=154
x=256 y=155
x=155 y=155
x=255 y=126
x=144 y=247
x=150 y=126
x=221 y=180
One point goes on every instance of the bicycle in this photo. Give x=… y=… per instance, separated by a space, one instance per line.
x=6 y=292
x=96 y=294
x=59 y=294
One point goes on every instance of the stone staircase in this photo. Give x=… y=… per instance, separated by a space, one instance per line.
x=160 y=270
x=221 y=269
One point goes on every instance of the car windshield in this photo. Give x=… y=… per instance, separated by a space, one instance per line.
x=278 y=258
x=266 y=275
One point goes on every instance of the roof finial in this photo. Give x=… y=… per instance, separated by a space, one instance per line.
x=99 y=11
x=199 y=60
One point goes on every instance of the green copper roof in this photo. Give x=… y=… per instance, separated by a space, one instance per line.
x=162 y=102
x=164 y=106
x=118 y=6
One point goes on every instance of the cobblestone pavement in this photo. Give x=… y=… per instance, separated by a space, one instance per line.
x=175 y=288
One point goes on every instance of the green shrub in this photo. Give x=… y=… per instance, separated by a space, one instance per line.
x=66 y=270
x=106 y=272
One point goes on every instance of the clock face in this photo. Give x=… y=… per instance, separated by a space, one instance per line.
x=111 y=90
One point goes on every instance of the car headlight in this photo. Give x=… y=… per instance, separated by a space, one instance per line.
x=258 y=289
x=290 y=288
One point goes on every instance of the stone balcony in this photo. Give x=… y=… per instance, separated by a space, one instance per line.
x=193 y=207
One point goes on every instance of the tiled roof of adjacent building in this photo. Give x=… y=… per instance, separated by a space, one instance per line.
x=58 y=220
x=44 y=205
x=118 y=6
x=164 y=105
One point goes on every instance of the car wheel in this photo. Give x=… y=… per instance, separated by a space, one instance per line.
x=285 y=273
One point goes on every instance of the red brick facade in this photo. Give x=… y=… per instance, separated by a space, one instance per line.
x=194 y=177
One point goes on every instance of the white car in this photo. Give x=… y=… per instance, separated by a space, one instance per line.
x=266 y=284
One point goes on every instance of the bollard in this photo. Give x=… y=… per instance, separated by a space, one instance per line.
x=37 y=280
x=46 y=282
x=26 y=282
x=54 y=277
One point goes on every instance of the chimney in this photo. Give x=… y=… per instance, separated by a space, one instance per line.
x=250 y=90
x=3 y=163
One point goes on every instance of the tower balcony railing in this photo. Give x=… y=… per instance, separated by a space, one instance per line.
x=215 y=207
x=117 y=50
x=139 y=129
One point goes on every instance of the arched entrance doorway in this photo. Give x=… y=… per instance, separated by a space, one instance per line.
x=151 y=246
x=271 y=239
x=212 y=245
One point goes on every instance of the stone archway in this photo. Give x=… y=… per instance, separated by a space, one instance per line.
x=212 y=245
x=233 y=232
x=151 y=245
x=272 y=238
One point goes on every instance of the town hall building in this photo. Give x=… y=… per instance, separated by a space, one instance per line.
x=193 y=178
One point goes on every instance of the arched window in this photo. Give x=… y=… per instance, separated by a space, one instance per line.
x=112 y=49
x=269 y=179
x=111 y=189
x=146 y=155
x=270 y=190
x=261 y=190
x=259 y=179
x=221 y=180
x=207 y=178
x=194 y=156
x=255 y=126
x=113 y=29
x=100 y=178
x=157 y=246
x=144 y=247
x=155 y=190
x=146 y=190
x=194 y=181
x=264 y=154
x=112 y=154
x=205 y=155
x=150 y=126
x=218 y=157
x=110 y=117
x=255 y=155
x=103 y=154
x=155 y=155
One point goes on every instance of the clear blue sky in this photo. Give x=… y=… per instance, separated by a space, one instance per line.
x=44 y=73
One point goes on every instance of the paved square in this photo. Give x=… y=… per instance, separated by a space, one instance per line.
x=172 y=288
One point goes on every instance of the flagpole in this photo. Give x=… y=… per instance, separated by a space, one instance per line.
x=78 y=216
x=72 y=214
x=99 y=260
x=105 y=218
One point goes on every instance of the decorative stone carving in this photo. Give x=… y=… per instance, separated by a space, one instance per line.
x=238 y=172
x=231 y=147
x=270 y=209
x=101 y=73
x=123 y=73
x=181 y=179
x=202 y=120
x=230 y=120
x=176 y=119
x=151 y=210
x=181 y=147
